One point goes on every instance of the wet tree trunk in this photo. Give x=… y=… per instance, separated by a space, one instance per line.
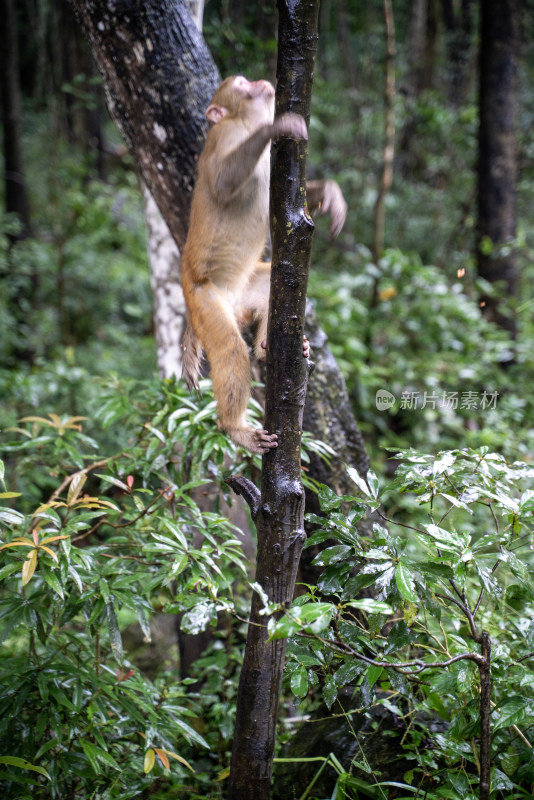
x=279 y=512
x=497 y=168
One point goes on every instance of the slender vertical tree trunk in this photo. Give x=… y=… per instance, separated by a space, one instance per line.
x=458 y=32
x=485 y=714
x=389 y=134
x=497 y=214
x=16 y=195
x=417 y=27
x=279 y=513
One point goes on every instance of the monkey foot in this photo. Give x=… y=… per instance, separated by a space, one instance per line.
x=253 y=439
x=264 y=441
x=305 y=349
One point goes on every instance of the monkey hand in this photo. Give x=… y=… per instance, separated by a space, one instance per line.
x=290 y=125
x=334 y=202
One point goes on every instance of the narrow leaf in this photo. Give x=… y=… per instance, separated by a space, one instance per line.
x=405 y=582
x=28 y=568
x=76 y=485
x=150 y=758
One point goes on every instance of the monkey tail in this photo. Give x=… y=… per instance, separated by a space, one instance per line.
x=191 y=358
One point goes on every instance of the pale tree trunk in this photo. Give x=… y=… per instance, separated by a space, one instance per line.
x=165 y=278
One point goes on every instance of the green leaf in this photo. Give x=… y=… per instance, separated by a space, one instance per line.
x=10 y=516
x=442 y=464
x=517 y=711
x=95 y=754
x=75 y=487
x=406 y=582
x=329 y=691
x=14 y=761
x=371 y=606
x=373 y=674
x=114 y=632
x=359 y=481
x=53 y=581
x=299 y=682
x=448 y=540
x=331 y=555
x=198 y=618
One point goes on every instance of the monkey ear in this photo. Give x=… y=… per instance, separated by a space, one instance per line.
x=216 y=113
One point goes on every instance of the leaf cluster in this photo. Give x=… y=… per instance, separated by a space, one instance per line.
x=397 y=616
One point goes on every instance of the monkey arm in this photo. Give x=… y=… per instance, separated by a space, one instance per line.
x=236 y=167
x=326 y=196
x=230 y=173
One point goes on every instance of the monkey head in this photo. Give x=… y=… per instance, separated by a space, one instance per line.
x=239 y=97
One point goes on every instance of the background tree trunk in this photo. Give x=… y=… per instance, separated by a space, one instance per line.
x=16 y=196
x=458 y=30
x=497 y=169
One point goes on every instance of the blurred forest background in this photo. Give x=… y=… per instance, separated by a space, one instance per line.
x=434 y=310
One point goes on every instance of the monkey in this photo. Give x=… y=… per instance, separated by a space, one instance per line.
x=225 y=284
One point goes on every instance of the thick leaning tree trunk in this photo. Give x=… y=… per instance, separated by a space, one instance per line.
x=279 y=512
x=159 y=78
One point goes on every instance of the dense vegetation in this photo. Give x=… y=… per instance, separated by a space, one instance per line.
x=103 y=464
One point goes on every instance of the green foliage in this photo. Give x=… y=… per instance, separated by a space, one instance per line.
x=414 y=646
x=59 y=289
x=403 y=327
x=91 y=543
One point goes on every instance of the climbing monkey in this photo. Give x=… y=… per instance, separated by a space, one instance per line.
x=225 y=284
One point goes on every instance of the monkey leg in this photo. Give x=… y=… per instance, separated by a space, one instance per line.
x=227 y=352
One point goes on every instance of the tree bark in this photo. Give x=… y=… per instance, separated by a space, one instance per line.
x=166 y=272
x=159 y=77
x=280 y=516
x=165 y=278
x=16 y=196
x=389 y=135
x=497 y=169
x=416 y=46
x=458 y=31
